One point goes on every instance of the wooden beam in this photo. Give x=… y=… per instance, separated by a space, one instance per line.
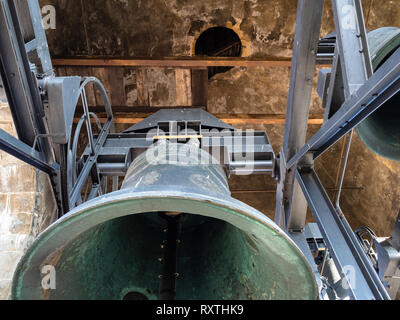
x=233 y=119
x=176 y=62
x=199 y=87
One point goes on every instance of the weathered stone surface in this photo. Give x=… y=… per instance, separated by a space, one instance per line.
x=5 y=114
x=165 y=28
x=22 y=202
x=254 y=91
x=71 y=29
x=9 y=159
x=5 y=289
x=12 y=242
x=27 y=207
x=8 y=127
x=3 y=204
x=45 y=209
x=21 y=224
x=8 y=262
x=17 y=178
x=381 y=14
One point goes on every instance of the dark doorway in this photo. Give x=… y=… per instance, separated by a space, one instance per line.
x=218 y=42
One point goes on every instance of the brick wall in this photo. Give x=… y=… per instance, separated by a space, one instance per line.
x=27 y=207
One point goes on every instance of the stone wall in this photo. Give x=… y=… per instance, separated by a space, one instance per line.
x=26 y=207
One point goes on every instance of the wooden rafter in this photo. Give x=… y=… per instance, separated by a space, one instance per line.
x=233 y=119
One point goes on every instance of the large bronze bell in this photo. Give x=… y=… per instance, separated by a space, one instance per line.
x=381 y=131
x=116 y=246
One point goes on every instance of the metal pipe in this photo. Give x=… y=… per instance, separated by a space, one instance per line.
x=343 y=168
x=112 y=169
x=256 y=164
x=88 y=123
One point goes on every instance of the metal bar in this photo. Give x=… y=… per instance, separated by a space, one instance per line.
x=42 y=47
x=363 y=36
x=90 y=162
x=343 y=168
x=22 y=90
x=24 y=152
x=94 y=192
x=352 y=44
x=381 y=87
x=308 y=25
x=257 y=163
x=351 y=37
x=14 y=77
x=115 y=183
x=88 y=123
x=335 y=97
x=31 y=45
x=362 y=280
x=112 y=169
x=274 y=191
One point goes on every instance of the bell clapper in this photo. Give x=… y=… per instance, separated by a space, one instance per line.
x=169 y=246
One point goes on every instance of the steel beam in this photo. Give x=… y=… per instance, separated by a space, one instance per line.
x=15 y=79
x=361 y=279
x=40 y=41
x=352 y=44
x=25 y=153
x=290 y=202
x=19 y=80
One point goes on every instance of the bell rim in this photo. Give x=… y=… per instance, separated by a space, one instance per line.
x=89 y=208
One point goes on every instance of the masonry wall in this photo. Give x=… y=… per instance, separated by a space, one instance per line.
x=27 y=207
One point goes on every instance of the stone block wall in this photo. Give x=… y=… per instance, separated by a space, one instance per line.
x=27 y=207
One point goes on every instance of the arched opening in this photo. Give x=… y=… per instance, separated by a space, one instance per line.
x=135 y=296
x=218 y=42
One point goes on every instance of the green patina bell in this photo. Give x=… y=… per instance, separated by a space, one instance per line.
x=381 y=131
x=116 y=246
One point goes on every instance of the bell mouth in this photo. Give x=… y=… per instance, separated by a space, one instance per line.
x=265 y=260
x=380 y=132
